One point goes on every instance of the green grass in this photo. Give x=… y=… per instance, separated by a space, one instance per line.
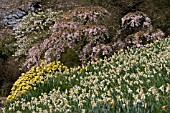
x=133 y=81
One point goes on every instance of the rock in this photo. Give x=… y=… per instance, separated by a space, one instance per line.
x=12 y=11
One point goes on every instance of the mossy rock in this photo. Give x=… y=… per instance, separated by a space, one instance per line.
x=5 y=89
x=70 y=58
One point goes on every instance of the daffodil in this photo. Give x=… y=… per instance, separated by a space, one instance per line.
x=35 y=75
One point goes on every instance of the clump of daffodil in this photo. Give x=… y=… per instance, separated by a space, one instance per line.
x=35 y=75
x=134 y=80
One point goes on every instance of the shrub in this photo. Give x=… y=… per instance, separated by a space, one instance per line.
x=134 y=22
x=8 y=75
x=136 y=19
x=8 y=66
x=5 y=89
x=33 y=28
x=71 y=32
x=85 y=15
x=52 y=48
x=137 y=30
x=141 y=38
x=70 y=58
x=6 y=43
x=82 y=31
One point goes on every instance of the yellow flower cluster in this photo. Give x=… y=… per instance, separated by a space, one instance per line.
x=35 y=75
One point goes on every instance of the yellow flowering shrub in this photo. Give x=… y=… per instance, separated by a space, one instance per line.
x=35 y=75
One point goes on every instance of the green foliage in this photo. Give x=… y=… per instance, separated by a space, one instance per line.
x=70 y=58
x=5 y=89
x=8 y=75
x=9 y=68
x=6 y=40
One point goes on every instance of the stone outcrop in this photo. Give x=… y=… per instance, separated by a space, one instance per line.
x=12 y=11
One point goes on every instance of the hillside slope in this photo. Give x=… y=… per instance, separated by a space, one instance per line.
x=135 y=80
